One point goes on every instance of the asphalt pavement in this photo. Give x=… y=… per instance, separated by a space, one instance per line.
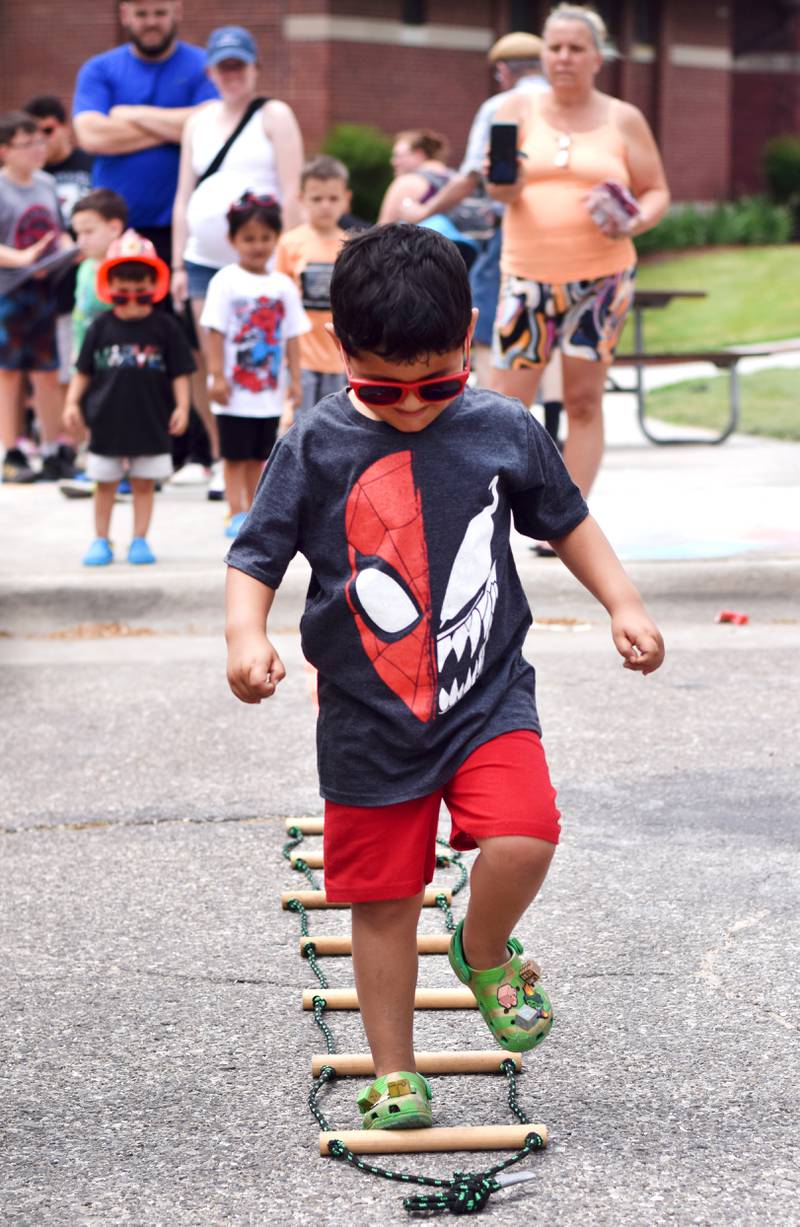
x=156 y=1057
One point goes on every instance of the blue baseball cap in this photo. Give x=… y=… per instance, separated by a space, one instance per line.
x=231 y=43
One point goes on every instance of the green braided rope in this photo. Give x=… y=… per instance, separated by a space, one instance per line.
x=296 y=838
x=294 y=905
x=320 y=1005
x=302 y=867
x=444 y=907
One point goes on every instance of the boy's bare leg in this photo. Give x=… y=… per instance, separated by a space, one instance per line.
x=143 y=495
x=104 y=493
x=385 y=967
x=10 y=385
x=252 y=474
x=234 y=471
x=505 y=880
x=48 y=401
x=199 y=388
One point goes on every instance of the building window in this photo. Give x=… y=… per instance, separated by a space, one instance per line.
x=522 y=16
x=645 y=22
x=414 y=12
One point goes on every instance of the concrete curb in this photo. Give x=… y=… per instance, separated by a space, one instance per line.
x=181 y=600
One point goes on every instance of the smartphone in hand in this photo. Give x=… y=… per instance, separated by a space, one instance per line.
x=503 y=153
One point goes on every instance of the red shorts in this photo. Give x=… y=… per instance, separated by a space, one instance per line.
x=389 y=851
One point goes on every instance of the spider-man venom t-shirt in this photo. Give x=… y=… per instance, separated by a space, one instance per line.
x=415 y=616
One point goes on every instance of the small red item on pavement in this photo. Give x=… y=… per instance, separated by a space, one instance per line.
x=730 y=615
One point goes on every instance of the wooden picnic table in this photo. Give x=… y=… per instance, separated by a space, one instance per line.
x=641 y=357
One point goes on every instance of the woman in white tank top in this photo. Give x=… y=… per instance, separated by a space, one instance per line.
x=266 y=158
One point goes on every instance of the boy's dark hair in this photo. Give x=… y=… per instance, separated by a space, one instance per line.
x=13 y=122
x=110 y=205
x=249 y=207
x=132 y=270
x=46 y=106
x=323 y=166
x=401 y=292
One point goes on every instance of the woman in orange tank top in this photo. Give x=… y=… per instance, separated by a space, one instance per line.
x=568 y=273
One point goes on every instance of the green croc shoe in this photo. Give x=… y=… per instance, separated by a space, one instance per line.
x=515 y=1008
x=396 y=1101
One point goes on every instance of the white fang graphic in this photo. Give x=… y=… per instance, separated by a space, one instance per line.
x=468 y=609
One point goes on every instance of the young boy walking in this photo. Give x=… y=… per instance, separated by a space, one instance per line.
x=307 y=255
x=401 y=493
x=131 y=388
x=31 y=236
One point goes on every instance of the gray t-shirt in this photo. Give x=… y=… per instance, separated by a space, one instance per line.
x=415 y=616
x=26 y=213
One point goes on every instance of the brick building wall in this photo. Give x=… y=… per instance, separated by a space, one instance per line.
x=694 y=99
x=711 y=107
x=766 y=87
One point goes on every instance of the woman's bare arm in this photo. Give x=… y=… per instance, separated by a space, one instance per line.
x=405 y=187
x=282 y=128
x=187 y=180
x=648 y=180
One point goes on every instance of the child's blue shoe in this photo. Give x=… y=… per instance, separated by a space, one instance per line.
x=99 y=553
x=235 y=524
x=140 y=553
x=124 y=486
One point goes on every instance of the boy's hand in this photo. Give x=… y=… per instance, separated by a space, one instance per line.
x=178 y=421
x=218 y=389
x=637 y=638
x=29 y=255
x=254 y=668
x=71 y=417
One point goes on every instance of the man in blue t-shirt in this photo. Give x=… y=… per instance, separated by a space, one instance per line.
x=130 y=107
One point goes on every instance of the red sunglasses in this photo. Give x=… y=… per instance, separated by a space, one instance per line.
x=121 y=298
x=386 y=392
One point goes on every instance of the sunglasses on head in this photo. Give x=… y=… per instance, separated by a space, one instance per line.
x=121 y=298
x=386 y=392
x=249 y=199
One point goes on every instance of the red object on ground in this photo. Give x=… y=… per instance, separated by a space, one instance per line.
x=730 y=615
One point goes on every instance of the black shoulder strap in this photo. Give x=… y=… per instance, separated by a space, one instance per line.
x=222 y=153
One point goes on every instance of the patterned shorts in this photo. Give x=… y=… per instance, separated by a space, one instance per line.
x=584 y=318
x=28 y=328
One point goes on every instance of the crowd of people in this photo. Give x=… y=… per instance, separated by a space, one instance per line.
x=178 y=203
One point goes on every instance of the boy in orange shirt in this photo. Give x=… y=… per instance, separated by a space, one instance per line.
x=307 y=254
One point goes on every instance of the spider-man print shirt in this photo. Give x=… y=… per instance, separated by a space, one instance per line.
x=415 y=616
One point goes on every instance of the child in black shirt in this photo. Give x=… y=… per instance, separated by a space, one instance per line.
x=131 y=387
x=401 y=492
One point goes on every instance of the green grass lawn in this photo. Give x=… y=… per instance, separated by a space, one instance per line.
x=770 y=403
x=753 y=295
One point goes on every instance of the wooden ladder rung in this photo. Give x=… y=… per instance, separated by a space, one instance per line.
x=317 y=898
x=312 y=859
x=360 y=1064
x=427 y=943
x=424 y=998
x=411 y=1141
x=306 y=826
